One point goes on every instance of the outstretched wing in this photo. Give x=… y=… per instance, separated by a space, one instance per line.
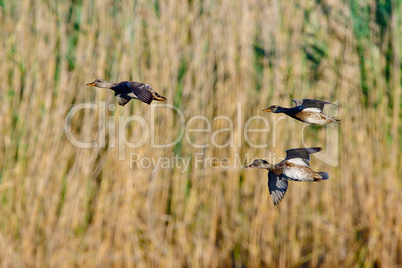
x=298 y=102
x=313 y=105
x=122 y=99
x=301 y=156
x=141 y=91
x=277 y=187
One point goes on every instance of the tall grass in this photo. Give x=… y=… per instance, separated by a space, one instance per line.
x=61 y=205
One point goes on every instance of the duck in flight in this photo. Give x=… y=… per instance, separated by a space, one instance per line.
x=295 y=167
x=306 y=110
x=127 y=90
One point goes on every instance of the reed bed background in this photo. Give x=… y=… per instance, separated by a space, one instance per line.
x=61 y=205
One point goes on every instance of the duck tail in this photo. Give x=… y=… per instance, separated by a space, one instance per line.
x=159 y=97
x=333 y=120
x=324 y=176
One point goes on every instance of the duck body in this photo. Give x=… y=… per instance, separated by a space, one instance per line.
x=310 y=117
x=307 y=111
x=127 y=90
x=295 y=167
x=294 y=172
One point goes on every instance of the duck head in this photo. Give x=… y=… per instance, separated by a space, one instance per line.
x=100 y=83
x=260 y=163
x=272 y=109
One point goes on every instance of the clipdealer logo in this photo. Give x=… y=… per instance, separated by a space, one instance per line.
x=237 y=130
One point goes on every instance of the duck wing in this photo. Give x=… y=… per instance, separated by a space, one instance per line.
x=298 y=102
x=141 y=91
x=301 y=156
x=313 y=105
x=277 y=187
x=122 y=99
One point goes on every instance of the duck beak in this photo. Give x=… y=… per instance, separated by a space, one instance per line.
x=249 y=166
x=267 y=110
x=91 y=84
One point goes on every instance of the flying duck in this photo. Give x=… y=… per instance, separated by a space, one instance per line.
x=127 y=90
x=295 y=167
x=306 y=110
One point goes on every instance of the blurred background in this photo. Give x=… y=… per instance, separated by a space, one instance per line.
x=61 y=205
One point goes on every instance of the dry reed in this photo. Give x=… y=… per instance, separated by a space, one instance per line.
x=66 y=206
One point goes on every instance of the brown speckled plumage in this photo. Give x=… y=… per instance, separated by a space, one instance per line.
x=295 y=167
x=306 y=110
